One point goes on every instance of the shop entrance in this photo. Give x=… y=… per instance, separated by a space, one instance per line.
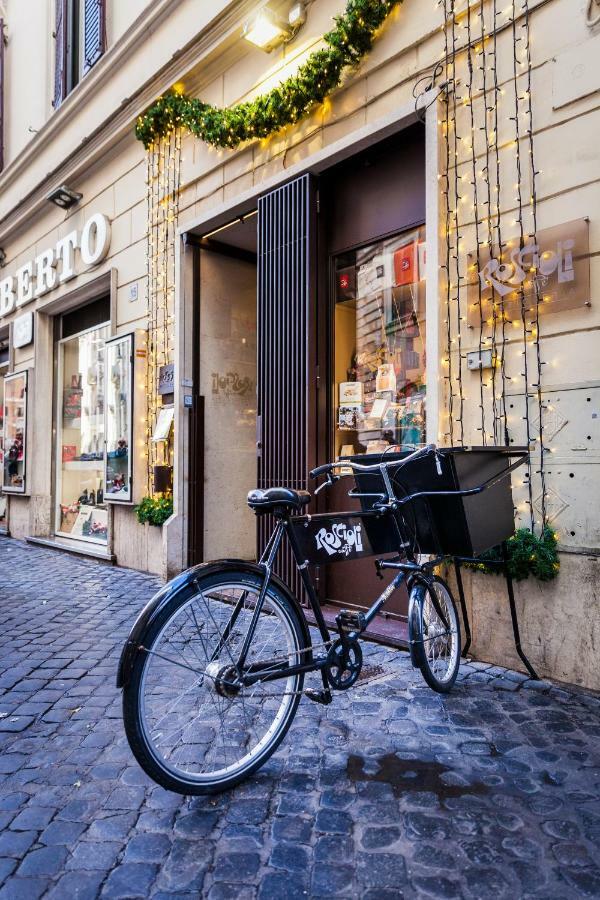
x=374 y=256
x=81 y=511
x=226 y=332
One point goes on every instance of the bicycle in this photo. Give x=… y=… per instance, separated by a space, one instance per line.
x=213 y=670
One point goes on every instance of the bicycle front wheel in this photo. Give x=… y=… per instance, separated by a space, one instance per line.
x=434 y=632
x=190 y=723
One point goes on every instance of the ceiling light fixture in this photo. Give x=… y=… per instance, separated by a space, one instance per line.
x=64 y=197
x=266 y=30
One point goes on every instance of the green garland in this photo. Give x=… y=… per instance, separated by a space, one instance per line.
x=285 y=104
x=154 y=510
x=527 y=555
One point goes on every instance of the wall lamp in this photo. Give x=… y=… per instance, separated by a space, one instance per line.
x=267 y=30
x=64 y=197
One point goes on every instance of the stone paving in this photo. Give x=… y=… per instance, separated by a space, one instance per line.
x=392 y=791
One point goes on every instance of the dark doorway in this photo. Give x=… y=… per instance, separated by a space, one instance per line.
x=373 y=259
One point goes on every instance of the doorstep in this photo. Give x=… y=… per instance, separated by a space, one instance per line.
x=72 y=547
x=382 y=630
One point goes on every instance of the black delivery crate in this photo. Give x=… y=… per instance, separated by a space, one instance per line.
x=451 y=525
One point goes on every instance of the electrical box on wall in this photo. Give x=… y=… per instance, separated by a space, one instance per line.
x=480 y=359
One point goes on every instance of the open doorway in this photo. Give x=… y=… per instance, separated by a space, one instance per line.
x=227 y=386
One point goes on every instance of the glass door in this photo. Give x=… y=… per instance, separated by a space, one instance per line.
x=81 y=509
x=378 y=392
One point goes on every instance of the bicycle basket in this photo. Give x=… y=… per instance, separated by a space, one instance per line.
x=452 y=525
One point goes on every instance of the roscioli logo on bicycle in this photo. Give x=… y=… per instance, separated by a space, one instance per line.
x=342 y=540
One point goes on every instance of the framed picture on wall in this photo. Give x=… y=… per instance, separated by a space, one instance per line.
x=15 y=433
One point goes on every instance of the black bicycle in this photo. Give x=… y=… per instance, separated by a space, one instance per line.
x=213 y=670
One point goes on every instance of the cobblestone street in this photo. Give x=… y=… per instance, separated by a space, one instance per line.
x=392 y=791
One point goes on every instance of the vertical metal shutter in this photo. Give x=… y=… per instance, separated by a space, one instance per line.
x=60 y=52
x=94 y=32
x=287 y=345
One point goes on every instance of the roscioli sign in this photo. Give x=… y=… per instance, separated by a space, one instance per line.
x=56 y=265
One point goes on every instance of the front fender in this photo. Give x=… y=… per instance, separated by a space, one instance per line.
x=186 y=582
x=415 y=604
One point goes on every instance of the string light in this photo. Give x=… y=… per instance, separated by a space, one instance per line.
x=487 y=173
x=163 y=184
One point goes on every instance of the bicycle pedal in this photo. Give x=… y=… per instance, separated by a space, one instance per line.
x=323 y=697
x=348 y=621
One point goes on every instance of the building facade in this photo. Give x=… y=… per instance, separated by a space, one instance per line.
x=207 y=319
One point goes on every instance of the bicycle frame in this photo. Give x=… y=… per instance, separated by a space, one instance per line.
x=381 y=515
x=266 y=670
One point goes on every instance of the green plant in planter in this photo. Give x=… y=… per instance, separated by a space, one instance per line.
x=528 y=555
x=154 y=510
x=345 y=45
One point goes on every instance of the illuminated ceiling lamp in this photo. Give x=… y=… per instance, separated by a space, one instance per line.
x=265 y=29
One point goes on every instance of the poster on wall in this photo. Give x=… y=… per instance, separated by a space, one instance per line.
x=15 y=433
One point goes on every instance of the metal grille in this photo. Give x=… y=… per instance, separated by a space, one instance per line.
x=286 y=370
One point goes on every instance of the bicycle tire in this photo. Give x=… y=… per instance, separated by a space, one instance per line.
x=134 y=702
x=421 y=641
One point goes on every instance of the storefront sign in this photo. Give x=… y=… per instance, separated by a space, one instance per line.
x=555 y=269
x=166 y=379
x=56 y=265
x=22 y=330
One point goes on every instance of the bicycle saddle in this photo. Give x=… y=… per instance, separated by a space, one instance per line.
x=279 y=498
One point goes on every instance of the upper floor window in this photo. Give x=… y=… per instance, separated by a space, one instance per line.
x=80 y=41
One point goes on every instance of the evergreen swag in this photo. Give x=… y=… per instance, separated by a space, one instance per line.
x=154 y=510
x=527 y=555
x=285 y=104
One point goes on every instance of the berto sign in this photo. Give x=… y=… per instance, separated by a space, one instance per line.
x=56 y=265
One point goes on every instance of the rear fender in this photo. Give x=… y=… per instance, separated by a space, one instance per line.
x=186 y=584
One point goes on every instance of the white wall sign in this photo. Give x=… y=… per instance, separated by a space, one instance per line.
x=22 y=330
x=56 y=265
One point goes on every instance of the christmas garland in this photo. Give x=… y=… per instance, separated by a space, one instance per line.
x=285 y=104
x=528 y=555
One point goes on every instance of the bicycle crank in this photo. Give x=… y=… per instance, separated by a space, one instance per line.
x=344 y=662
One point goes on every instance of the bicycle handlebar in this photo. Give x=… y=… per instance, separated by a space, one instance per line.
x=372 y=467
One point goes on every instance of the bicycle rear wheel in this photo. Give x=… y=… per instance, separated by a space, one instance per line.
x=434 y=633
x=190 y=723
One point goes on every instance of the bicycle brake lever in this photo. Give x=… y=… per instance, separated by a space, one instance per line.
x=331 y=479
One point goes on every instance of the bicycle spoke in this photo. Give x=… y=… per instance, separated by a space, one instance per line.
x=199 y=719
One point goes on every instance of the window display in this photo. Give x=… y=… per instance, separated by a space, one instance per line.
x=14 y=432
x=379 y=391
x=82 y=511
x=119 y=383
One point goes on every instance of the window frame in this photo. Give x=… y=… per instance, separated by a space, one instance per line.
x=11 y=489
x=126 y=339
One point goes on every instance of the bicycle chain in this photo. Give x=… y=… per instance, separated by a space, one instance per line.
x=366 y=681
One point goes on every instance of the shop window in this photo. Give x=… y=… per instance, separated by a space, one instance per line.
x=379 y=358
x=82 y=511
x=119 y=383
x=80 y=41
x=14 y=430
